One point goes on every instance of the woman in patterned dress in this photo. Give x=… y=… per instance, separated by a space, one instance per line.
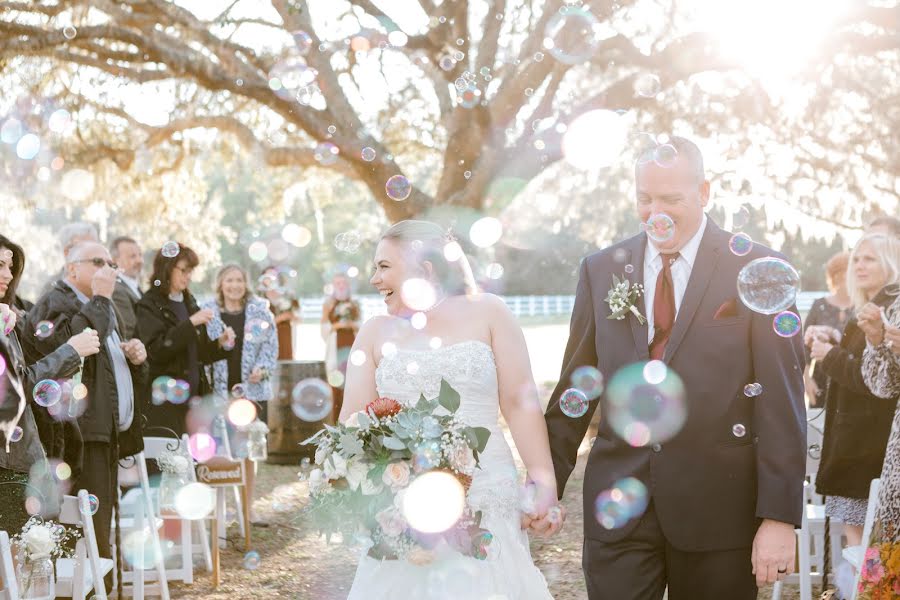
x=857 y=423
x=881 y=370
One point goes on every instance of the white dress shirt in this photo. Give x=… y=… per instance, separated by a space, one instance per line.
x=681 y=273
x=132 y=284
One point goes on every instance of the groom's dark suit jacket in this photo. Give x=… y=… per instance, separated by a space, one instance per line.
x=710 y=487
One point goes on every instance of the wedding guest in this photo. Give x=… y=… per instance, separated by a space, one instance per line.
x=857 y=423
x=127 y=254
x=828 y=316
x=69 y=236
x=881 y=372
x=110 y=410
x=18 y=459
x=253 y=359
x=284 y=306
x=172 y=327
x=341 y=318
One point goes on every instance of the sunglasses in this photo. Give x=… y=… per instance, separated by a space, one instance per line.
x=98 y=262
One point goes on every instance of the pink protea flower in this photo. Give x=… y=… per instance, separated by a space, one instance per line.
x=383 y=407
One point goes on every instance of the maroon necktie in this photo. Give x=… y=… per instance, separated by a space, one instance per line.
x=663 y=307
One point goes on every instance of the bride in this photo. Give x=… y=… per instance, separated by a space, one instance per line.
x=439 y=327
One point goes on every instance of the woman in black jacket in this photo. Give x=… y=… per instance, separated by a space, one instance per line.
x=857 y=423
x=173 y=329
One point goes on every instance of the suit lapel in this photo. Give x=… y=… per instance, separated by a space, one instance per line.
x=638 y=330
x=701 y=274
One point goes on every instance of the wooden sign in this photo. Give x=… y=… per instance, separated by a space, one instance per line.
x=220 y=472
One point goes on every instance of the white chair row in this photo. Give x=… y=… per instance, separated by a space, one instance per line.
x=75 y=577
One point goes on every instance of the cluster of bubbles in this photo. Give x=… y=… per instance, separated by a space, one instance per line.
x=768 y=285
x=659 y=227
x=348 y=241
x=645 y=403
x=398 y=188
x=572 y=35
x=312 y=400
x=627 y=499
x=433 y=502
x=786 y=324
x=168 y=389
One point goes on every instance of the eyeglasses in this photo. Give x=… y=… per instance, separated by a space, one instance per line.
x=97 y=262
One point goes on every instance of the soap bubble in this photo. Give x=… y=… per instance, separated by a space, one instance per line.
x=47 y=392
x=572 y=35
x=660 y=227
x=195 y=501
x=768 y=285
x=311 y=400
x=740 y=244
x=398 y=188
x=573 y=403
x=752 y=390
x=170 y=249
x=252 y=560
x=645 y=406
x=43 y=329
x=433 y=502
x=786 y=324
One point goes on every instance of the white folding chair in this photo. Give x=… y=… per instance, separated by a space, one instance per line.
x=855 y=555
x=10 y=589
x=72 y=577
x=154 y=447
x=138 y=518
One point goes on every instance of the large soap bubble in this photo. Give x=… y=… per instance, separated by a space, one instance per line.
x=646 y=403
x=768 y=285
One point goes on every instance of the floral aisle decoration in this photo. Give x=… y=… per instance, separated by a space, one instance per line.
x=37 y=546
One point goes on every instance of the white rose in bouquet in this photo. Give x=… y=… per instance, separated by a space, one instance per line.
x=462 y=459
x=356 y=473
x=396 y=475
x=39 y=541
x=391 y=522
x=335 y=467
x=317 y=480
x=352 y=420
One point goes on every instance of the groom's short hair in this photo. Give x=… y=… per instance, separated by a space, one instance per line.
x=685 y=148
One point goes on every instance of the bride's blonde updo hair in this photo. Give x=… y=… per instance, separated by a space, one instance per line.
x=425 y=241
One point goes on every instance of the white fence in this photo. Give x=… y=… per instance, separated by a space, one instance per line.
x=521 y=306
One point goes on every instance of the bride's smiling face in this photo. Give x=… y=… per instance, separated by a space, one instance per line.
x=394 y=265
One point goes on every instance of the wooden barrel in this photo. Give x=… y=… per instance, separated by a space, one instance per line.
x=286 y=430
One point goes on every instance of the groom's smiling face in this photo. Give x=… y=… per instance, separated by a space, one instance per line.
x=679 y=191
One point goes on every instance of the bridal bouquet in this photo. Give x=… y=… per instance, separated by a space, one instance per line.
x=365 y=467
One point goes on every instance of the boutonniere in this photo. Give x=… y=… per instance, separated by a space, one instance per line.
x=622 y=297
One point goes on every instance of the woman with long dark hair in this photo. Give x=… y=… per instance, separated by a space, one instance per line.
x=24 y=469
x=173 y=329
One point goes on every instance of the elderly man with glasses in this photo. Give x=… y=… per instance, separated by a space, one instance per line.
x=105 y=407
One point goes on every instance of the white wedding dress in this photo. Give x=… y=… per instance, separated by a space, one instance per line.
x=508 y=573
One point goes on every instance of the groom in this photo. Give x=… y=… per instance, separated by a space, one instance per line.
x=726 y=492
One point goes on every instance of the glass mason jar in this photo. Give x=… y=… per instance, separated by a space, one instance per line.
x=169 y=484
x=257 y=449
x=37 y=579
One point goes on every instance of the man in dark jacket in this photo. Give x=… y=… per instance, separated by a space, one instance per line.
x=127 y=254
x=107 y=405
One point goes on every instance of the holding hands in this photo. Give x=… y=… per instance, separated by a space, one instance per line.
x=541 y=513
